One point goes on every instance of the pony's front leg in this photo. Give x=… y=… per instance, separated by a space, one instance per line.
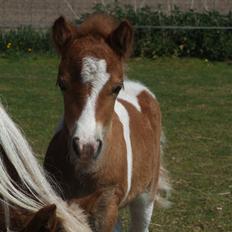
x=101 y=208
x=141 y=210
x=106 y=215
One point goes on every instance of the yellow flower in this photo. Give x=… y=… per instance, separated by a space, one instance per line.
x=8 y=45
x=181 y=46
x=29 y=49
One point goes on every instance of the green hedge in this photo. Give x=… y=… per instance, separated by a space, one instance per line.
x=210 y=44
x=25 y=40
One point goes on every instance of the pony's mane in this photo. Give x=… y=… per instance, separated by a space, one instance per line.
x=33 y=179
x=97 y=24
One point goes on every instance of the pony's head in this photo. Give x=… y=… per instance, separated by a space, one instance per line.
x=44 y=219
x=90 y=77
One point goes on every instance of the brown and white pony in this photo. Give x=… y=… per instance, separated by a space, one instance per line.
x=28 y=203
x=110 y=134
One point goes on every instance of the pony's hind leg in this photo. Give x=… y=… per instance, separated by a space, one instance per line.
x=141 y=212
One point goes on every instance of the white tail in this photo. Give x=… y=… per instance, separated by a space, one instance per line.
x=33 y=178
x=164 y=186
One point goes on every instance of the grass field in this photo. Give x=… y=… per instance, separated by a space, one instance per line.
x=196 y=102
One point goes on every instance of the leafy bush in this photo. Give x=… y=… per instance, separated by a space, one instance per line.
x=149 y=42
x=26 y=40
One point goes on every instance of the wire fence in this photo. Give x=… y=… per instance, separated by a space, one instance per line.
x=181 y=27
x=41 y=14
x=145 y=27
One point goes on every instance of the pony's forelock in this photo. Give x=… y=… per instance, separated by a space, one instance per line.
x=33 y=179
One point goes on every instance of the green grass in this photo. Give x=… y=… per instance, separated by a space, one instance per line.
x=196 y=102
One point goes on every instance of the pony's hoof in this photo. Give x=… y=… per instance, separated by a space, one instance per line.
x=118 y=226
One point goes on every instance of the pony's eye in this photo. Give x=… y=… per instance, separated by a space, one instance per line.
x=116 y=89
x=61 y=83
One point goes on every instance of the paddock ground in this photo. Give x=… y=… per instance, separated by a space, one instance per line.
x=196 y=101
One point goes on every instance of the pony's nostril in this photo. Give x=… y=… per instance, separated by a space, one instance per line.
x=76 y=139
x=99 y=147
x=76 y=145
x=99 y=144
x=86 y=150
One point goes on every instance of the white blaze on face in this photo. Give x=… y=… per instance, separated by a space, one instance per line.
x=93 y=72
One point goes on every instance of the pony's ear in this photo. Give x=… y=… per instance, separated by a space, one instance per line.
x=44 y=219
x=63 y=32
x=121 y=39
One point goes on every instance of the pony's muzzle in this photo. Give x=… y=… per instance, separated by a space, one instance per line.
x=86 y=151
